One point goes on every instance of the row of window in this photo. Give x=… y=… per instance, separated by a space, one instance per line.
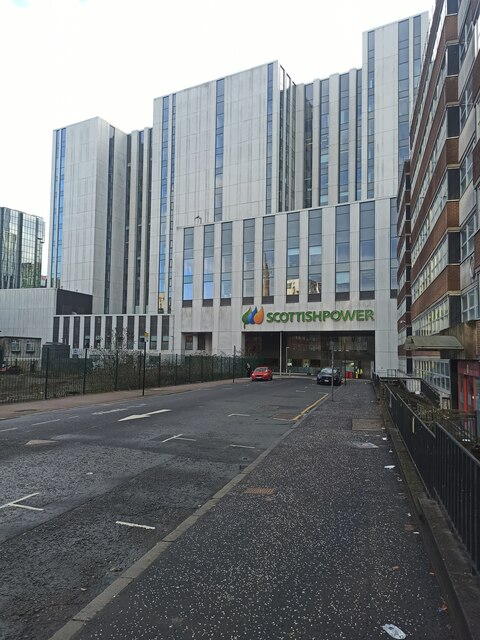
x=437 y=262
x=366 y=267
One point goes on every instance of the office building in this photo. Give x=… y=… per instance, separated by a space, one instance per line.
x=21 y=240
x=255 y=214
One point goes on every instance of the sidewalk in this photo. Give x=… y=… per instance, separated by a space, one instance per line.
x=316 y=540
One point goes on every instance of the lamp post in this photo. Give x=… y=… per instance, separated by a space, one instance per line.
x=286 y=359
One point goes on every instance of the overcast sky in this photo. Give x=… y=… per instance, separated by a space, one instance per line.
x=63 y=61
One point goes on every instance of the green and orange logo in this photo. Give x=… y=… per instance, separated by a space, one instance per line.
x=253 y=316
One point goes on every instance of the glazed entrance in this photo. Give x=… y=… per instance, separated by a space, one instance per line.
x=353 y=353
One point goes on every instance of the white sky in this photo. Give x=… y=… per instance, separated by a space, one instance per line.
x=63 y=61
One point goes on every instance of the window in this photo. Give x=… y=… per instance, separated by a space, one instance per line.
x=466 y=102
x=467 y=237
x=367 y=250
x=342 y=250
x=208 y=261
x=15 y=346
x=188 y=342
x=226 y=260
x=188 y=264
x=293 y=254
x=315 y=255
x=470 y=305
x=30 y=347
x=466 y=169
x=248 y=259
x=268 y=266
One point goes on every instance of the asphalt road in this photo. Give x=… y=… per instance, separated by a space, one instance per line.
x=74 y=482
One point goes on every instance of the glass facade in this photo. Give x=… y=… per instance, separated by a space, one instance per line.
x=57 y=217
x=126 y=232
x=208 y=261
x=343 y=138
x=226 y=266
x=268 y=253
x=417 y=53
x=293 y=257
x=342 y=252
x=248 y=259
x=324 y=140
x=187 y=295
x=403 y=94
x=358 y=148
x=315 y=255
x=268 y=175
x=162 y=267
x=172 y=200
x=21 y=240
x=219 y=124
x=371 y=116
x=307 y=142
x=367 y=250
x=138 y=222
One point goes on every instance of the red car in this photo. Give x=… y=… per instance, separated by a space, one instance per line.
x=262 y=373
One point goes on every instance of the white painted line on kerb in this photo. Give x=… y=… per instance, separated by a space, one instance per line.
x=173 y=437
x=190 y=439
x=245 y=415
x=35 y=424
x=13 y=503
x=132 y=524
x=14 y=429
x=144 y=415
x=241 y=446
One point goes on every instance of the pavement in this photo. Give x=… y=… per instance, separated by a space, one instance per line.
x=318 y=539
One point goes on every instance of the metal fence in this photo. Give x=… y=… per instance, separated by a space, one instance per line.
x=450 y=472
x=57 y=377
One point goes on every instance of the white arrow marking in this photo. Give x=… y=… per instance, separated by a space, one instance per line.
x=132 y=524
x=173 y=437
x=21 y=506
x=144 y=415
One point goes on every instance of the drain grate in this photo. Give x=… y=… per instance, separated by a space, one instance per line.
x=360 y=424
x=259 y=491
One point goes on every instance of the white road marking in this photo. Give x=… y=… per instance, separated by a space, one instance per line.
x=11 y=429
x=13 y=503
x=297 y=391
x=101 y=413
x=173 y=437
x=144 y=415
x=35 y=424
x=245 y=415
x=191 y=439
x=132 y=524
x=72 y=417
x=241 y=446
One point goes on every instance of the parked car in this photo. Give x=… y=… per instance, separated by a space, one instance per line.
x=11 y=369
x=325 y=376
x=262 y=373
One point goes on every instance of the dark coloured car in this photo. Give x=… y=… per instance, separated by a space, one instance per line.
x=262 y=373
x=325 y=376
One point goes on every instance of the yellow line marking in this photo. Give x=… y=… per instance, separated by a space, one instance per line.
x=302 y=413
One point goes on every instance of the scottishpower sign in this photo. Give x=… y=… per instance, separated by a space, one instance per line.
x=257 y=316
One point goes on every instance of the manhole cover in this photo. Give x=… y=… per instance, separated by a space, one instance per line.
x=259 y=491
x=360 y=424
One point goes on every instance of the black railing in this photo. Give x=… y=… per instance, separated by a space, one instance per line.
x=57 y=377
x=450 y=473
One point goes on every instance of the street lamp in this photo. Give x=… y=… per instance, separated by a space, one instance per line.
x=286 y=359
